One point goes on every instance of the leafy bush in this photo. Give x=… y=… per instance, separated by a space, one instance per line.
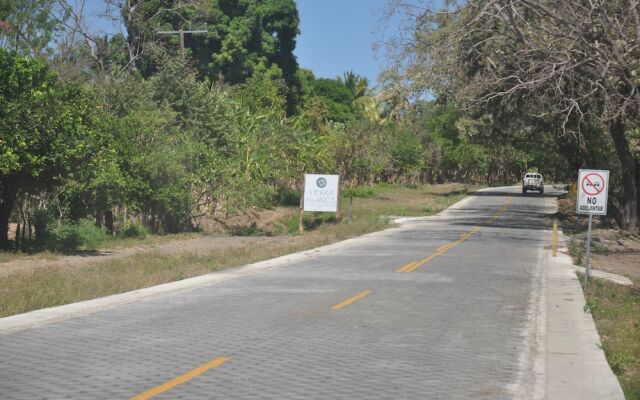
x=288 y=197
x=286 y=226
x=133 y=230
x=43 y=222
x=74 y=236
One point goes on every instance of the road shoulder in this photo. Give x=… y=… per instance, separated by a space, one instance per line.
x=47 y=315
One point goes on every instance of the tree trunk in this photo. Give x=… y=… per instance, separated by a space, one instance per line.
x=8 y=192
x=99 y=219
x=108 y=221
x=18 y=238
x=628 y=208
x=638 y=190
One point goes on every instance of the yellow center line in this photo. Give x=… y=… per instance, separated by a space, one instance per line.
x=448 y=246
x=351 y=300
x=180 y=379
x=409 y=265
x=443 y=247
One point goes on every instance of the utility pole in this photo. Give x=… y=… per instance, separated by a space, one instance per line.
x=181 y=33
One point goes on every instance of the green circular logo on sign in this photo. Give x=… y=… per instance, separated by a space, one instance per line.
x=321 y=182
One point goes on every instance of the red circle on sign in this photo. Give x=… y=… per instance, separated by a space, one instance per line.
x=592 y=184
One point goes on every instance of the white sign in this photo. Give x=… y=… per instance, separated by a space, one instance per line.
x=592 y=191
x=321 y=192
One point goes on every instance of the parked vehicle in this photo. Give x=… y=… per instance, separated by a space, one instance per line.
x=532 y=181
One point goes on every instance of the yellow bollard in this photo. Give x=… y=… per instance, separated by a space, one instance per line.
x=554 y=240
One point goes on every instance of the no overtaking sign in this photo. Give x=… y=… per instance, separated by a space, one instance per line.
x=592 y=192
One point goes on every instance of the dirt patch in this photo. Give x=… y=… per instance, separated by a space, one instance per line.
x=619 y=263
x=265 y=221
x=612 y=250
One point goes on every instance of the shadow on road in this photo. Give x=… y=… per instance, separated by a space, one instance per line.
x=504 y=193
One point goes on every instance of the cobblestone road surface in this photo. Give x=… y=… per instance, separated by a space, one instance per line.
x=453 y=328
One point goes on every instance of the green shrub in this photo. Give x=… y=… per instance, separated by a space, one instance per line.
x=43 y=221
x=287 y=226
x=288 y=197
x=75 y=236
x=133 y=230
x=576 y=250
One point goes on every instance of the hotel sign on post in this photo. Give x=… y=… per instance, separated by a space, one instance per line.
x=321 y=192
x=592 y=192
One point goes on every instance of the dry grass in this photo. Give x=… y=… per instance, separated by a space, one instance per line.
x=50 y=286
x=10 y=256
x=150 y=240
x=616 y=311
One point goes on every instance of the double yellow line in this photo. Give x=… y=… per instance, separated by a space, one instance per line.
x=414 y=265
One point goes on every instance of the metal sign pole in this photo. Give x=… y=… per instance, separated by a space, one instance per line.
x=586 y=264
x=181 y=33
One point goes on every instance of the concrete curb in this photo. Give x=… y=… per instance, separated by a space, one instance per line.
x=618 y=279
x=576 y=367
x=52 y=314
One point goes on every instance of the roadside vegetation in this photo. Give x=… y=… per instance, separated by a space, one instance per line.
x=616 y=311
x=29 y=288
x=615 y=308
x=134 y=135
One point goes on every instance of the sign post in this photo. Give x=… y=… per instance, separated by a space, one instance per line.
x=320 y=193
x=301 y=215
x=593 y=187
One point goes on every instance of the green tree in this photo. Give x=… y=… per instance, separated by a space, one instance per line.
x=45 y=130
x=572 y=62
x=244 y=37
x=30 y=25
x=357 y=85
x=336 y=97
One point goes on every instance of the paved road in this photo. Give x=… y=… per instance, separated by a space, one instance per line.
x=453 y=323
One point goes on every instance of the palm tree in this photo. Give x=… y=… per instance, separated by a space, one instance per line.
x=357 y=85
